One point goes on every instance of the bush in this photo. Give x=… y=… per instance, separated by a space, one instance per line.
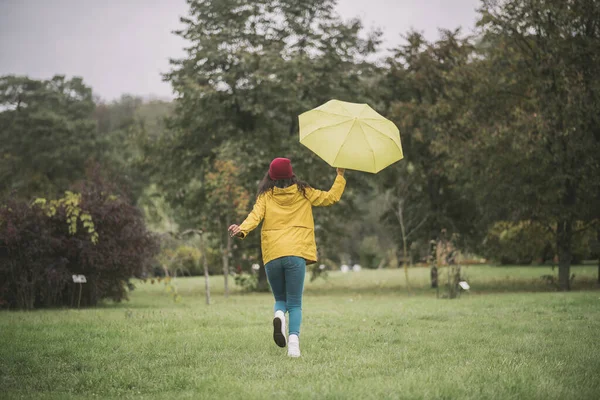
x=370 y=252
x=33 y=270
x=518 y=243
x=247 y=281
x=184 y=260
x=92 y=233
x=525 y=242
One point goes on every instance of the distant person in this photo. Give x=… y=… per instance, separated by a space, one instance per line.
x=287 y=240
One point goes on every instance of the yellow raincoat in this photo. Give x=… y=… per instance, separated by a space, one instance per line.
x=288 y=227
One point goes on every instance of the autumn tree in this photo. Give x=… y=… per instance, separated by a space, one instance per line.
x=226 y=203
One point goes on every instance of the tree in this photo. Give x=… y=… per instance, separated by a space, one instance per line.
x=127 y=124
x=409 y=217
x=527 y=131
x=250 y=70
x=421 y=199
x=203 y=251
x=226 y=202
x=47 y=134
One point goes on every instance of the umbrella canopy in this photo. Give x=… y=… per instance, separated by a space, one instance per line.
x=351 y=136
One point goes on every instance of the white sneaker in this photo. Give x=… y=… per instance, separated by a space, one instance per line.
x=279 y=328
x=294 y=346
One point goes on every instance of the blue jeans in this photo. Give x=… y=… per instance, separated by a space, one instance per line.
x=286 y=277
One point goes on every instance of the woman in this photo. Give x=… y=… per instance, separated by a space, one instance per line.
x=287 y=240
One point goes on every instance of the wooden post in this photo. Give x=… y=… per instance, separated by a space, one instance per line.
x=81 y=279
x=79 y=300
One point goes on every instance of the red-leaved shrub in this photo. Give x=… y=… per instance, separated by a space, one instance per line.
x=39 y=254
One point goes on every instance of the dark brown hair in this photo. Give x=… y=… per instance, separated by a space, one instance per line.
x=267 y=184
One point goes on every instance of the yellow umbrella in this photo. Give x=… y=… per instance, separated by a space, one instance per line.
x=351 y=136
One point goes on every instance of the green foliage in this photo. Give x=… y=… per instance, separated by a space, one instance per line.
x=525 y=133
x=128 y=125
x=169 y=284
x=184 y=260
x=226 y=197
x=519 y=243
x=227 y=201
x=318 y=270
x=157 y=212
x=71 y=205
x=370 y=252
x=420 y=197
x=498 y=128
x=247 y=281
x=481 y=142
x=47 y=134
x=250 y=71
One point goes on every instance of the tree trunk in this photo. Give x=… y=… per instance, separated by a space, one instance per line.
x=263 y=284
x=225 y=257
x=564 y=235
x=225 y=261
x=205 y=264
x=226 y=265
x=598 y=239
x=434 y=277
x=206 y=280
x=404 y=253
x=404 y=257
x=434 y=270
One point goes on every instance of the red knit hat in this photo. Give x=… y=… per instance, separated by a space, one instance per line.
x=281 y=168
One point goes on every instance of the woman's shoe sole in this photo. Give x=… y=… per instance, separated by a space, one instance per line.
x=278 y=335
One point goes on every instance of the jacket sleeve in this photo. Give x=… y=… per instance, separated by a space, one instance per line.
x=255 y=217
x=321 y=198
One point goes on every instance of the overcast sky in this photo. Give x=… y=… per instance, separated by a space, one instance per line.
x=122 y=46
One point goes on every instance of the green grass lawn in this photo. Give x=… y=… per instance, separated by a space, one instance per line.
x=363 y=337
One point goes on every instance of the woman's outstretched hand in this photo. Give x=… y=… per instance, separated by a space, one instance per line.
x=340 y=171
x=234 y=230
